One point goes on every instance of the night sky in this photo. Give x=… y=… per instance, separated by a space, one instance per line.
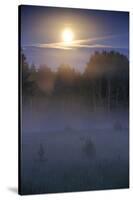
x=41 y=29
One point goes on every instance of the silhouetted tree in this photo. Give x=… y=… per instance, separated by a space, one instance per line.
x=105 y=80
x=66 y=77
x=110 y=69
x=45 y=79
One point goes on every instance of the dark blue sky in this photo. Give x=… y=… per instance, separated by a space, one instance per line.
x=97 y=29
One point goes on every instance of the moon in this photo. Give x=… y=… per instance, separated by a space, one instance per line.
x=67 y=35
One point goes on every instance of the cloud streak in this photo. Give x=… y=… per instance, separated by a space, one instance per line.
x=83 y=43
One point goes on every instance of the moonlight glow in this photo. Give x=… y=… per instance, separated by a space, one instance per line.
x=67 y=36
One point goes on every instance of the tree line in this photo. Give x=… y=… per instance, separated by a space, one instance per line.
x=105 y=79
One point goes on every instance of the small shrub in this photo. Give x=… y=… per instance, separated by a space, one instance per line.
x=89 y=148
x=41 y=153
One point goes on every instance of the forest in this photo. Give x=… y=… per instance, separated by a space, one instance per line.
x=105 y=80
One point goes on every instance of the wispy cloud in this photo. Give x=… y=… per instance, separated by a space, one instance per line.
x=83 y=43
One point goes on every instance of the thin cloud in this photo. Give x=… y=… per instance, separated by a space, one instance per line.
x=84 y=43
x=52 y=46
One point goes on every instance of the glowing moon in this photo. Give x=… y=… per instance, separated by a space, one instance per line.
x=67 y=35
